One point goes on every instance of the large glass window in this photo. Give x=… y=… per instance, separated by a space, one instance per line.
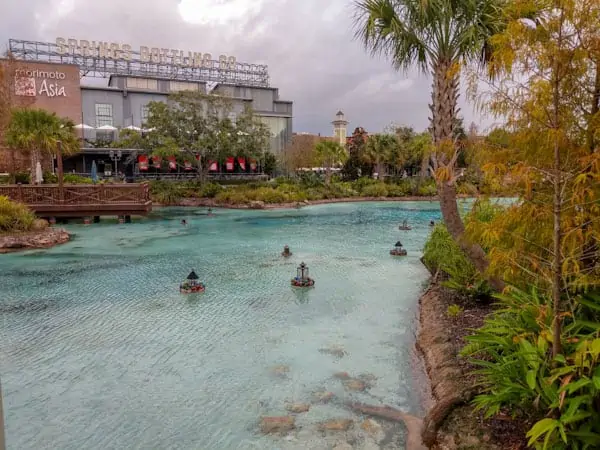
x=142 y=83
x=176 y=86
x=104 y=114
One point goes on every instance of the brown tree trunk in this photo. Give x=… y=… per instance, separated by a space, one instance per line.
x=444 y=111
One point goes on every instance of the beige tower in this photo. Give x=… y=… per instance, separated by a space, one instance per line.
x=340 y=128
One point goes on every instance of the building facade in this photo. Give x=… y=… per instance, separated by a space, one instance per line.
x=124 y=103
x=48 y=76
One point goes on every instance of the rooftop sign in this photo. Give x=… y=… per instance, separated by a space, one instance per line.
x=102 y=59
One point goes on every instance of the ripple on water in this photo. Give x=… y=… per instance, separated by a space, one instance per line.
x=99 y=349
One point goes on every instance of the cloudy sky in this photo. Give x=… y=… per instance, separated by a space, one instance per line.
x=307 y=44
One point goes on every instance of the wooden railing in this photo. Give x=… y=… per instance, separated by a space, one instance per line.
x=82 y=200
x=78 y=195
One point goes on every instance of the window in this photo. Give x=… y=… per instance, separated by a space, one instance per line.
x=142 y=83
x=145 y=113
x=175 y=86
x=104 y=114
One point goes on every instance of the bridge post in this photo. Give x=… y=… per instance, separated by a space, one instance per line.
x=59 y=166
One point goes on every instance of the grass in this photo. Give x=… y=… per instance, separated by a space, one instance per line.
x=283 y=190
x=15 y=217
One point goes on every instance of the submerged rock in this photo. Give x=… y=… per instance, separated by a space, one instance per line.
x=281 y=370
x=277 y=424
x=45 y=238
x=355 y=385
x=334 y=350
x=297 y=407
x=342 y=375
x=323 y=396
x=335 y=425
x=342 y=446
x=374 y=429
x=257 y=204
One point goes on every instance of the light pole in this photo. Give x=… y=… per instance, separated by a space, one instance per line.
x=116 y=157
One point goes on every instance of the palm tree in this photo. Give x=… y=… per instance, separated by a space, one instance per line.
x=438 y=36
x=39 y=132
x=329 y=154
x=379 y=150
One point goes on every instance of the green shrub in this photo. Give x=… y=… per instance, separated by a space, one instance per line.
x=454 y=311
x=375 y=190
x=165 y=193
x=15 y=217
x=398 y=190
x=50 y=178
x=70 y=178
x=232 y=197
x=210 y=190
x=517 y=371
x=467 y=188
x=427 y=190
x=443 y=254
x=22 y=177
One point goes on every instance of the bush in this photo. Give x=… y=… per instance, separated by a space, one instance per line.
x=15 y=217
x=398 y=190
x=210 y=190
x=517 y=371
x=427 y=190
x=50 y=178
x=232 y=197
x=69 y=178
x=375 y=190
x=22 y=177
x=467 y=189
x=165 y=193
x=442 y=254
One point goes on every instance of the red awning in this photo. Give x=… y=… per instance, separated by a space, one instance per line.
x=229 y=164
x=212 y=166
x=172 y=162
x=187 y=165
x=253 y=165
x=143 y=162
x=156 y=160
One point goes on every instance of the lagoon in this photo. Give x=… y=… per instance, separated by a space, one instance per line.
x=99 y=350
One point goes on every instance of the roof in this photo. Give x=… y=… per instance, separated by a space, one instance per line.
x=192 y=276
x=339 y=113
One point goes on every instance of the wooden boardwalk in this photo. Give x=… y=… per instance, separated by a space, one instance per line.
x=82 y=200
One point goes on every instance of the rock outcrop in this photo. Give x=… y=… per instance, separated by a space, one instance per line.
x=44 y=238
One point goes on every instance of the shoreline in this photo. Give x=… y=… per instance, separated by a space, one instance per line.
x=33 y=240
x=257 y=204
x=452 y=422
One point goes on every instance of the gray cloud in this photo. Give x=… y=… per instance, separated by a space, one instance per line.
x=309 y=48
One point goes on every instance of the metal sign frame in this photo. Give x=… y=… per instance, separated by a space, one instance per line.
x=101 y=67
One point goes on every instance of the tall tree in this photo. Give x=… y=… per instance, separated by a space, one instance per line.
x=355 y=165
x=438 y=36
x=199 y=127
x=329 y=154
x=379 y=150
x=547 y=92
x=39 y=132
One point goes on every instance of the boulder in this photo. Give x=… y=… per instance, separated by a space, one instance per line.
x=257 y=204
x=40 y=224
x=277 y=424
x=297 y=407
x=335 y=425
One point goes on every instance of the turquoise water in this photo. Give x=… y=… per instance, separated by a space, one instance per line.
x=100 y=351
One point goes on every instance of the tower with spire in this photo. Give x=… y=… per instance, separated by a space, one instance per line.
x=340 y=125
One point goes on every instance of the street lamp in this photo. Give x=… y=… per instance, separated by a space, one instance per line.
x=116 y=157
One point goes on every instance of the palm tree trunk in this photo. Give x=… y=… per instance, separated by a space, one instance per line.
x=34 y=156
x=444 y=109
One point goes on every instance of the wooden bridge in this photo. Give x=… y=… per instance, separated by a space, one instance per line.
x=82 y=200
